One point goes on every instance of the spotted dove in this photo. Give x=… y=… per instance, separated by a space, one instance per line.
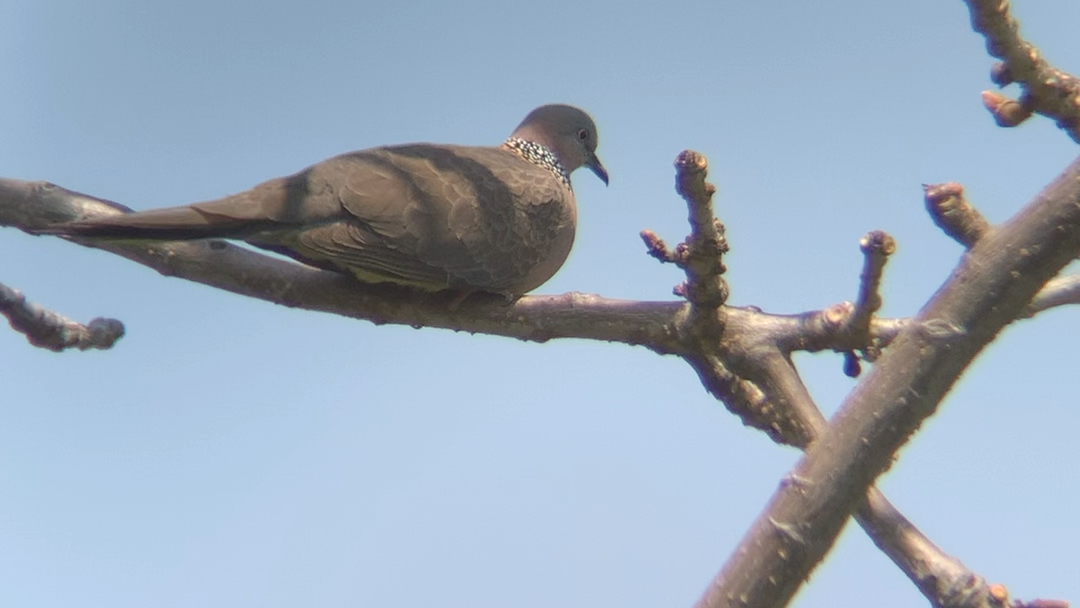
x=498 y=219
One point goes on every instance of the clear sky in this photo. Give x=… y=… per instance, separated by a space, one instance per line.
x=229 y=452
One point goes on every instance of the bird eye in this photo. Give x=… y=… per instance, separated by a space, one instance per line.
x=583 y=134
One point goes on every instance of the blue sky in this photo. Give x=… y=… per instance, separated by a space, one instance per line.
x=230 y=452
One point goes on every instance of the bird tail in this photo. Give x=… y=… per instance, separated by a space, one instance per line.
x=174 y=224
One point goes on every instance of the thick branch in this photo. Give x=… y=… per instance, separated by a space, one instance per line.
x=939 y=576
x=35 y=205
x=992 y=285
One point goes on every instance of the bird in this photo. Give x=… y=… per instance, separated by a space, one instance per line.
x=432 y=217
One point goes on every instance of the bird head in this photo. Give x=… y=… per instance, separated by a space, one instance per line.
x=568 y=132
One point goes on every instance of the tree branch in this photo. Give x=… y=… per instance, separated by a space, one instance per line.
x=704 y=249
x=991 y=286
x=1045 y=89
x=47 y=329
x=745 y=368
x=1061 y=291
x=748 y=335
x=939 y=576
x=35 y=205
x=951 y=211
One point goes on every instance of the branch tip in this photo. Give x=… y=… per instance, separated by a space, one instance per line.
x=1007 y=112
x=852 y=367
x=49 y=330
x=689 y=160
x=878 y=243
x=656 y=247
x=998 y=593
x=952 y=212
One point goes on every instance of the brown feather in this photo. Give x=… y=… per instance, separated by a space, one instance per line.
x=425 y=215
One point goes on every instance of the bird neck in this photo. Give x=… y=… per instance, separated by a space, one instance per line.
x=541 y=155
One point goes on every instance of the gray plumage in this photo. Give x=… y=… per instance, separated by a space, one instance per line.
x=499 y=219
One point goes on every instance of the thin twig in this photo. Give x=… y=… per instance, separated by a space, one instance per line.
x=706 y=245
x=1061 y=291
x=46 y=329
x=1045 y=89
x=876 y=248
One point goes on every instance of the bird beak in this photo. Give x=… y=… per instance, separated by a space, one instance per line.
x=594 y=163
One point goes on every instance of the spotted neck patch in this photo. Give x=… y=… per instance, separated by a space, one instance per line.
x=540 y=155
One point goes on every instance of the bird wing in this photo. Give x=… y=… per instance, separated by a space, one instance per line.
x=431 y=216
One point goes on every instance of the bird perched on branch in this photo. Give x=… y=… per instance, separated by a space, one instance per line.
x=499 y=219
